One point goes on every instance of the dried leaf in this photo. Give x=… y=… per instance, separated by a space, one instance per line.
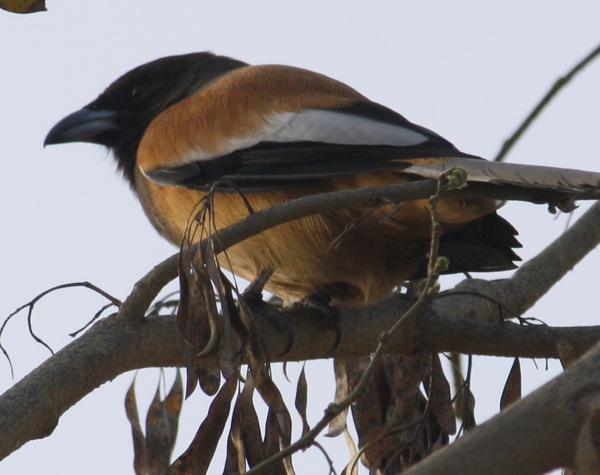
x=352 y=467
x=23 y=6
x=271 y=444
x=236 y=451
x=405 y=424
x=162 y=422
x=338 y=425
x=456 y=365
x=252 y=435
x=139 y=441
x=245 y=442
x=196 y=459
x=366 y=411
x=269 y=391
x=225 y=345
x=197 y=321
x=159 y=437
x=301 y=401
x=468 y=409
x=394 y=429
x=440 y=398
x=208 y=374
x=208 y=300
x=278 y=433
x=229 y=351
x=587 y=455
x=174 y=399
x=512 y=388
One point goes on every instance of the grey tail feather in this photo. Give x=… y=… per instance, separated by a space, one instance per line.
x=563 y=180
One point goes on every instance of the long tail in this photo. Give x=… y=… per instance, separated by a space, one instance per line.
x=558 y=186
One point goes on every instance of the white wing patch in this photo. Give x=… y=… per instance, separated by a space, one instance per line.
x=329 y=126
x=326 y=126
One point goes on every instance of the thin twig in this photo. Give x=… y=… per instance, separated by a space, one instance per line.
x=326 y=455
x=556 y=87
x=113 y=301
x=492 y=299
x=96 y=316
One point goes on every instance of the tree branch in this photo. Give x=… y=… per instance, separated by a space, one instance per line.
x=32 y=407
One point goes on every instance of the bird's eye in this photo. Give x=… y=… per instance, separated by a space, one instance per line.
x=138 y=91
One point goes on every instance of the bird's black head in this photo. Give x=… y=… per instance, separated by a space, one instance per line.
x=119 y=116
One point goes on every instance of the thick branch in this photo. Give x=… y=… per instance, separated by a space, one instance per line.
x=32 y=407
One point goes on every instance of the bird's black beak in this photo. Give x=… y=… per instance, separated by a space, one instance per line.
x=85 y=125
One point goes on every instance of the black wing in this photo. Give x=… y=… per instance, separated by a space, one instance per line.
x=312 y=145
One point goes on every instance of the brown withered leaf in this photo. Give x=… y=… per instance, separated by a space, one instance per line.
x=512 y=388
x=197 y=321
x=338 y=424
x=208 y=373
x=230 y=347
x=251 y=425
x=587 y=455
x=207 y=360
x=196 y=459
x=395 y=426
x=278 y=433
x=225 y=345
x=468 y=409
x=405 y=421
x=367 y=411
x=185 y=321
x=152 y=452
x=235 y=462
x=139 y=441
x=174 y=399
x=162 y=422
x=301 y=401
x=272 y=443
x=352 y=467
x=23 y=6
x=158 y=437
x=245 y=440
x=440 y=399
x=456 y=365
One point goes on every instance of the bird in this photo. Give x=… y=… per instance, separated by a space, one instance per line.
x=187 y=126
x=195 y=128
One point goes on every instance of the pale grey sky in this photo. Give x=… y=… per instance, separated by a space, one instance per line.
x=468 y=70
